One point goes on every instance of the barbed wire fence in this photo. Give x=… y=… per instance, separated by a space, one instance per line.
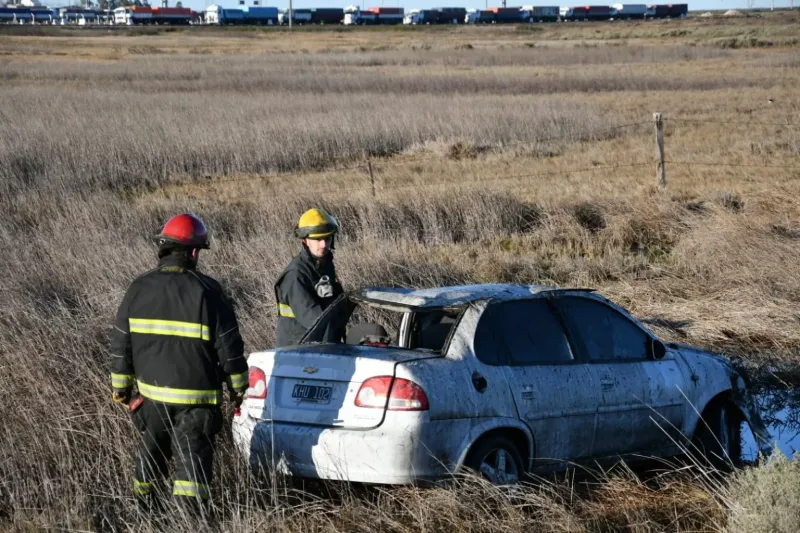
x=371 y=167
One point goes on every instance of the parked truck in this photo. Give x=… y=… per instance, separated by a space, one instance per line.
x=260 y=16
x=78 y=15
x=451 y=15
x=540 y=13
x=327 y=15
x=174 y=16
x=480 y=16
x=355 y=16
x=421 y=16
x=506 y=15
x=585 y=13
x=299 y=16
x=133 y=15
x=662 y=11
x=628 y=11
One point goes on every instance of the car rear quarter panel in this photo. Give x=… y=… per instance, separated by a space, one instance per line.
x=448 y=381
x=448 y=385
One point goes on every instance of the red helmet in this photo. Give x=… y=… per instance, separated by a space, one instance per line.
x=186 y=230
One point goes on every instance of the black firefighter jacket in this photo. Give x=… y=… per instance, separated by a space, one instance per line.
x=303 y=291
x=177 y=337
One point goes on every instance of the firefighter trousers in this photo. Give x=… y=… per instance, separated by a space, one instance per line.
x=183 y=433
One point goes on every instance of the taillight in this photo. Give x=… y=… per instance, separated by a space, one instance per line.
x=258 y=384
x=403 y=395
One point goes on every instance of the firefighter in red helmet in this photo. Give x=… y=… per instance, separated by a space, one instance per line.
x=176 y=339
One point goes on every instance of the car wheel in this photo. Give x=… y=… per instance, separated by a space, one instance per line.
x=717 y=438
x=497 y=460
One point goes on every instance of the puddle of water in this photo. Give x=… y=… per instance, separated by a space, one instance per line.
x=780 y=410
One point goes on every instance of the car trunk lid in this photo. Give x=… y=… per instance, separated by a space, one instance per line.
x=317 y=384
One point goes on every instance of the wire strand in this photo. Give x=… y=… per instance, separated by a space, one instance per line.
x=728 y=122
x=718 y=164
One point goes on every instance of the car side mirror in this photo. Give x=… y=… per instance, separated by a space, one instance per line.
x=657 y=350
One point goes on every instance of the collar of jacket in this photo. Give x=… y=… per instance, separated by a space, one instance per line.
x=176 y=261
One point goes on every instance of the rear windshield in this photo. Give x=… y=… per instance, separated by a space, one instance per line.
x=365 y=323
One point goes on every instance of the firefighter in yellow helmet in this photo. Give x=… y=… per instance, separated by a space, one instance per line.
x=309 y=284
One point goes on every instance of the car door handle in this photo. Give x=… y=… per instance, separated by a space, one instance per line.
x=528 y=395
x=607 y=383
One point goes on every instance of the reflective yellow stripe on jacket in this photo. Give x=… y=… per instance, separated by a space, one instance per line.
x=239 y=381
x=175 y=328
x=121 y=381
x=180 y=396
x=190 y=488
x=142 y=488
x=285 y=311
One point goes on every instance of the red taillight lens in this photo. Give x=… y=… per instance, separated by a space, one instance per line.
x=258 y=384
x=373 y=392
x=407 y=396
x=403 y=395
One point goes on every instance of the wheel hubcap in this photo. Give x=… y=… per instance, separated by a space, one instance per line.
x=499 y=468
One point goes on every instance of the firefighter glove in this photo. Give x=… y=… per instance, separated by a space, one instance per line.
x=121 y=396
x=236 y=398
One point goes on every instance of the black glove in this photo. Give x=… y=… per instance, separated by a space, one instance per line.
x=237 y=398
x=121 y=396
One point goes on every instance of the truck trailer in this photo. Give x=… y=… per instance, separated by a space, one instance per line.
x=450 y=15
x=506 y=15
x=355 y=16
x=421 y=16
x=299 y=16
x=628 y=11
x=171 y=16
x=260 y=16
x=586 y=13
x=133 y=15
x=663 y=11
x=540 y=13
x=327 y=15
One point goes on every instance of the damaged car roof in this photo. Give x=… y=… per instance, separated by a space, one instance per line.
x=455 y=295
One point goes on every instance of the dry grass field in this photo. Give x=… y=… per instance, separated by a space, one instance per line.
x=498 y=154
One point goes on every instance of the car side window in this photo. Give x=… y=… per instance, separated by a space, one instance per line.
x=521 y=333
x=607 y=334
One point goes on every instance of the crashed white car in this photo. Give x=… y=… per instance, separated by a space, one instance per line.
x=499 y=379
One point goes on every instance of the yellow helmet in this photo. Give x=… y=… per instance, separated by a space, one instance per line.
x=316 y=223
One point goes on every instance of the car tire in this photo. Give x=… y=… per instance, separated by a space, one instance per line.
x=497 y=460
x=717 y=439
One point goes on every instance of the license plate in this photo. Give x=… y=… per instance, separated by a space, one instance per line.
x=312 y=393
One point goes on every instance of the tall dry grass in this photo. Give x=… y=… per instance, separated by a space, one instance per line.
x=86 y=148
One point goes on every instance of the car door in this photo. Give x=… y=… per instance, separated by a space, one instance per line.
x=553 y=390
x=640 y=403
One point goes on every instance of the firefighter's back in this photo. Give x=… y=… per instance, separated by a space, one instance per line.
x=171 y=318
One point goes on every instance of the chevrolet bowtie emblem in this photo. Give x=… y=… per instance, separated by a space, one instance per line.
x=310 y=369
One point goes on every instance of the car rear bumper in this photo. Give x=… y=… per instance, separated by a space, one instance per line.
x=407 y=448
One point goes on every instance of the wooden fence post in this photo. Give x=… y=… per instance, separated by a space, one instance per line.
x=371 y=177
x=660 y=172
